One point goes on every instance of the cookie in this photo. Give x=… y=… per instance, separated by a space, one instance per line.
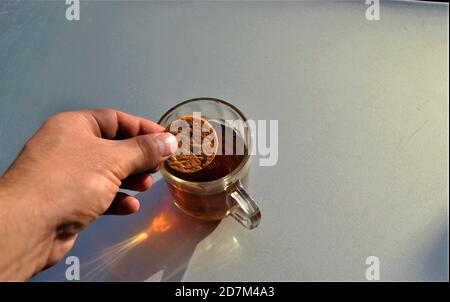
x=197 y=144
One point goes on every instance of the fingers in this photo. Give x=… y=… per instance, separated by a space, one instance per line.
x=143 y=153
x=110 y=123
x=123 y=204
x=142 y=144
x=138 y=182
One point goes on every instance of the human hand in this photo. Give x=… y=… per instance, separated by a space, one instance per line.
x=68 y=174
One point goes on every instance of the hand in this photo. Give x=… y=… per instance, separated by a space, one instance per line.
x=67 y=175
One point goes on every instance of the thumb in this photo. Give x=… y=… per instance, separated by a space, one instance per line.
x=145 y=152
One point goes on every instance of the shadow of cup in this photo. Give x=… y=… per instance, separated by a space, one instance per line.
x=170 y=240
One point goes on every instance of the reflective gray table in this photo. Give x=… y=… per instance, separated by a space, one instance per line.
x=363 y=128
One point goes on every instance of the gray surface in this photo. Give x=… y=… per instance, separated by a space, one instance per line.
x=363 y=111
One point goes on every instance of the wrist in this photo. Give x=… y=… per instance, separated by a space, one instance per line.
x=25 y=237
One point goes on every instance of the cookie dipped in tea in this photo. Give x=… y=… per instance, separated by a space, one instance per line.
x=228 y=151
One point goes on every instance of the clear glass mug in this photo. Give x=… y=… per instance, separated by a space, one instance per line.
x=218 y=198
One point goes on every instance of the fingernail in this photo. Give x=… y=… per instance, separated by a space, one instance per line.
x=167 y=144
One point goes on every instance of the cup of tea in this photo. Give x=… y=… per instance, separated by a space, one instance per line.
x=218 y=190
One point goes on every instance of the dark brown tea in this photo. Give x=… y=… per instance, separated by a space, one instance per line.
x=211 y=206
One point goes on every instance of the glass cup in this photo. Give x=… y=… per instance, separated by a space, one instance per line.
x=218 y=198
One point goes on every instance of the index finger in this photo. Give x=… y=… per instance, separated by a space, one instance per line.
x=111 y=123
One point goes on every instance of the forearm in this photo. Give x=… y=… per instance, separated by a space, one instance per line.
x=25 y=242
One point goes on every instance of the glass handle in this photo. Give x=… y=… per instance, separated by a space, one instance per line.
x=243 y=208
